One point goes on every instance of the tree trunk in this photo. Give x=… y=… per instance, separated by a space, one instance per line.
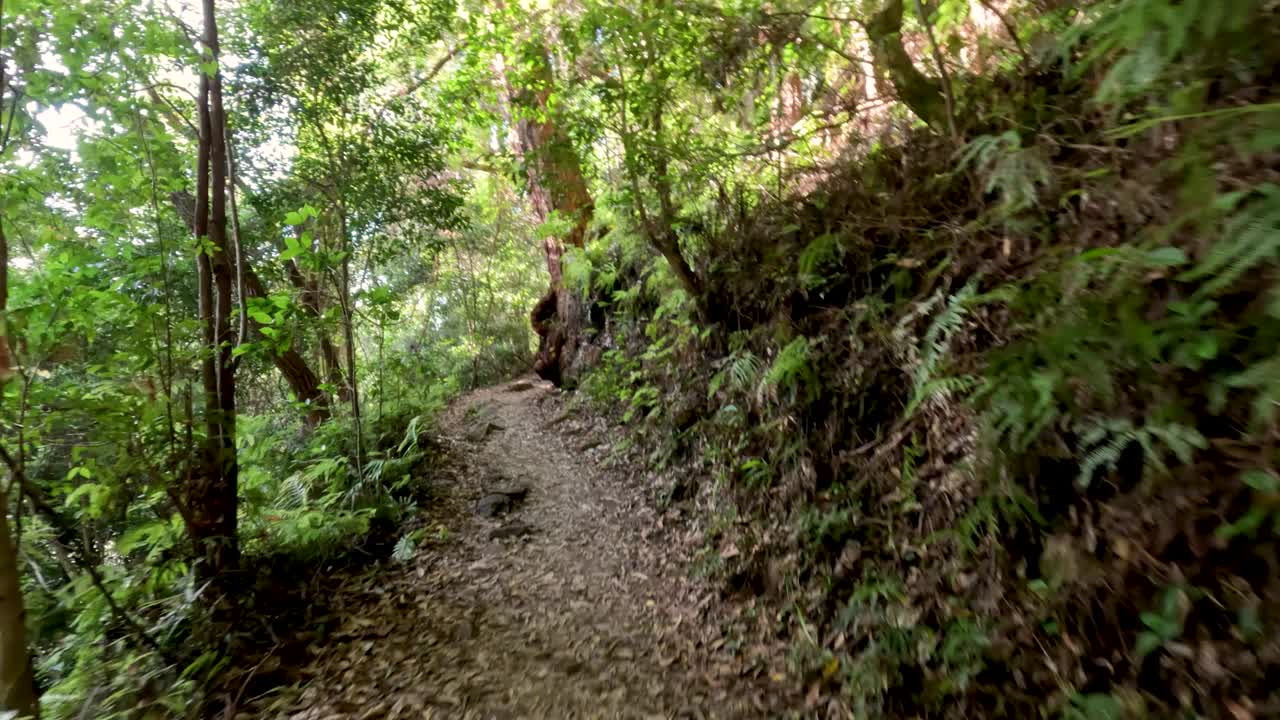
x=554 y=183
x=293 y=367
x=295 y=370
x=17 y=682
x=330 y=365
x=665 y=238
x=6 y=362
x=17 y=689
x=349 y=335
x=297 y=373
x=921 y=93
x=212 y=495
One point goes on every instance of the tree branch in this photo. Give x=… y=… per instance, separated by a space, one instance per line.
x=1009 y=28
x=413 y=87
x=942 y=68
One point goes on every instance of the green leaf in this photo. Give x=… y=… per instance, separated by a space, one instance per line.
x=1247 y=525
x=1161 y=625
x=1148 y=642
x=1166 y=257
x=142 y=536
x=1261 y=480
x=1227 y=202
x=93 y=495
x=1207 y=346
x=1097 y=706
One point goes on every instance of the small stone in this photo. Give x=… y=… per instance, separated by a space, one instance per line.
x=511 y=530
x=516 y=493
x=493 y=505
x=482 y=431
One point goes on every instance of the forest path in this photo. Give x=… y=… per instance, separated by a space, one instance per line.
x=586 y=611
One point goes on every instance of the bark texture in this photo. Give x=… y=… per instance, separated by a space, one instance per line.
x=213 y=487
x=17 y=688
x=921 y=93
x=554 y=182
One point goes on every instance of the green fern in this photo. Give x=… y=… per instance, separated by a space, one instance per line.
x=740 y=370
x=1013 y=172
x=744 y=369
x=576 y=270
x=821 y=251
x=1263 y=378
x=1150 y=36
x=1250 y=238
x=946 y=387
x=937 y=345
x=293 y=493
x=407 y=546
x=793 y=369
x=1106 y=439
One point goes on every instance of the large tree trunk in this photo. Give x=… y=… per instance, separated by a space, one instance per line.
x=17 y=689
x=212 y=493
x=554 y=183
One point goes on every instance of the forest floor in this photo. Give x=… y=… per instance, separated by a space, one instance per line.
x=577 y=603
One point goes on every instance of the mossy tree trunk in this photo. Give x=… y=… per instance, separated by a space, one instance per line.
x=923 y=94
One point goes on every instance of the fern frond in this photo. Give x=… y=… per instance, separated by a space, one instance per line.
x=744 y=370
x=1250 y=238
x=1264 y=378
x=820 y=251
x=937 y=344
x=793 y=368
x=1011 y=171
x=293 y=492
x=406 y=548
x=1107 y=439
x=946 y=387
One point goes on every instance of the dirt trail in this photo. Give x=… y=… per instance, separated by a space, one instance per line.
x=587 y=612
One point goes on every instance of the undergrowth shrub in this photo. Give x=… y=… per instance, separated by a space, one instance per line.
x=302 y=501
x=994 y=443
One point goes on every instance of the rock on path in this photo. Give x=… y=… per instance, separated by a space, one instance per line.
x=569 y=606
